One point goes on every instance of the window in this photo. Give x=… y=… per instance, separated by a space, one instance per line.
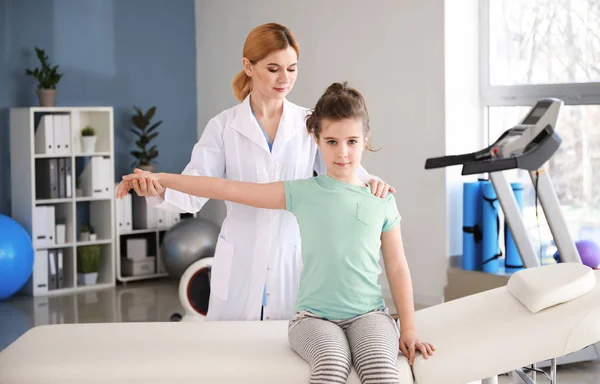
x=533 y=49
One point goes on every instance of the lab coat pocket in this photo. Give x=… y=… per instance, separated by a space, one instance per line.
x=221 y=269
x=363 y=215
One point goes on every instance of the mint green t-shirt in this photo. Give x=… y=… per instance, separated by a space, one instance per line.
x=340 y=225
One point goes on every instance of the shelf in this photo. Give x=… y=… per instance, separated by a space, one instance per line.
x=51 y=156
x=93 y=154
x=138 y=231
x=82 y=198
x=46 y=166
x=126 y=279
x=95 y=242
x=57 y=246
x=53 y=201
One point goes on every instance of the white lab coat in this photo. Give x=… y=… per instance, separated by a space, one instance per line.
x=255 y=246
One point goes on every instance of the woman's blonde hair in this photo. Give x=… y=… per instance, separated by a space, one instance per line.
x=261 y=42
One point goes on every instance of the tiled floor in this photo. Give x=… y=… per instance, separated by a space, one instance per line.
x=157 y=301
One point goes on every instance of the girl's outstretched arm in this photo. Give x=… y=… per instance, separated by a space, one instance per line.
x=259 y=195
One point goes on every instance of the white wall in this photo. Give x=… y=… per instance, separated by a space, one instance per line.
x=464 y=122
x=393 y=52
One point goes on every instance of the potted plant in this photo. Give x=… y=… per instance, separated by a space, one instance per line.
x=144 y=156
x=47 y=78
x=88 y=263
x=88 y=139
x=84 y=233
x=93 y=236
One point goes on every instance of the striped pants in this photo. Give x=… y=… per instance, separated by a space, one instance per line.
x=369 y=342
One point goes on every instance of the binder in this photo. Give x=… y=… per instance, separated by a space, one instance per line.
x=144 y=215
x=66 y=133
x=44 y=136
x=175 y=218
x=47 y=179
x=128 y=212
x=50 y=224
x=62 y=184
x=68 y=179
x=95 y=178
x=120 y=214
x=163 y=219
x=44 y=226
x=59 y=269
x=52 y=277
x=40 y=273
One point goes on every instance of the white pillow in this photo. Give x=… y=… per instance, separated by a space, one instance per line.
x=538 y=288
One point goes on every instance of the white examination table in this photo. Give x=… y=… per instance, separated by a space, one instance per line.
x=480 y=336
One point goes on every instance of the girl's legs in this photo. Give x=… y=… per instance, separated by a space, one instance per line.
x=374 y=342
x=323 y=345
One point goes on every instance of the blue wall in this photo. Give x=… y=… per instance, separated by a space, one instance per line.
x=115 y=53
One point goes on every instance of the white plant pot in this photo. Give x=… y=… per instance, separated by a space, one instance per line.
x=93 y=237
x=84 y=236
x=87 y=278
x=88 y=144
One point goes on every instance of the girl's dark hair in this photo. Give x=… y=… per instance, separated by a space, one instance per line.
x=339 y=102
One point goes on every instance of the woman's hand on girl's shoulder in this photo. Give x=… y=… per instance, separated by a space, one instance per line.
x=380 y=188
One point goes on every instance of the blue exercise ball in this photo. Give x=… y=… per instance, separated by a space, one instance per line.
x=16 y=257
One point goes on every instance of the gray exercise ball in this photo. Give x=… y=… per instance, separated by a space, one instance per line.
x=186 y=242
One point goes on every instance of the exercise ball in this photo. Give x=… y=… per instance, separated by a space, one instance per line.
x=589 y=252
x=186 y=242
x=16 y=257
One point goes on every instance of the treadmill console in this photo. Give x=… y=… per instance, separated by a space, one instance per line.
x=527 y=145
x=517 y=139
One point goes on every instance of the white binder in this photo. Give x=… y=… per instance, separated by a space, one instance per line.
x=44 y=226
x=123 y=214
x=175 y=218
x=39 y=276
x=95 y=178
x=44 y=136
x=62 y=134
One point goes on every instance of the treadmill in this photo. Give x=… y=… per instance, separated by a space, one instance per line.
x=528 y=145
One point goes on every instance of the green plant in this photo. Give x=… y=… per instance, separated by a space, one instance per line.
x=88 y=259
x=88 y=131
x=141 y=121
x=47 y=76
x=84 y=228
x=92 y=230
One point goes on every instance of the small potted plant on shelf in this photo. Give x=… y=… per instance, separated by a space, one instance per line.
x=88 y=263
x=47 y=77
x=88 y=139
x=84 y=233
x=146 y=153
x=92 y=234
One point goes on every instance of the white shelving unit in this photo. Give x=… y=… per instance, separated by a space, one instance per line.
x=27 y=165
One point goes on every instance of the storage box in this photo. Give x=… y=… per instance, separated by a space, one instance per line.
x=137 y=249
x=145 y=266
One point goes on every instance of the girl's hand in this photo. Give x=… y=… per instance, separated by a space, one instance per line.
x=144 y=183
x=380 y=188
x=410 y=344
